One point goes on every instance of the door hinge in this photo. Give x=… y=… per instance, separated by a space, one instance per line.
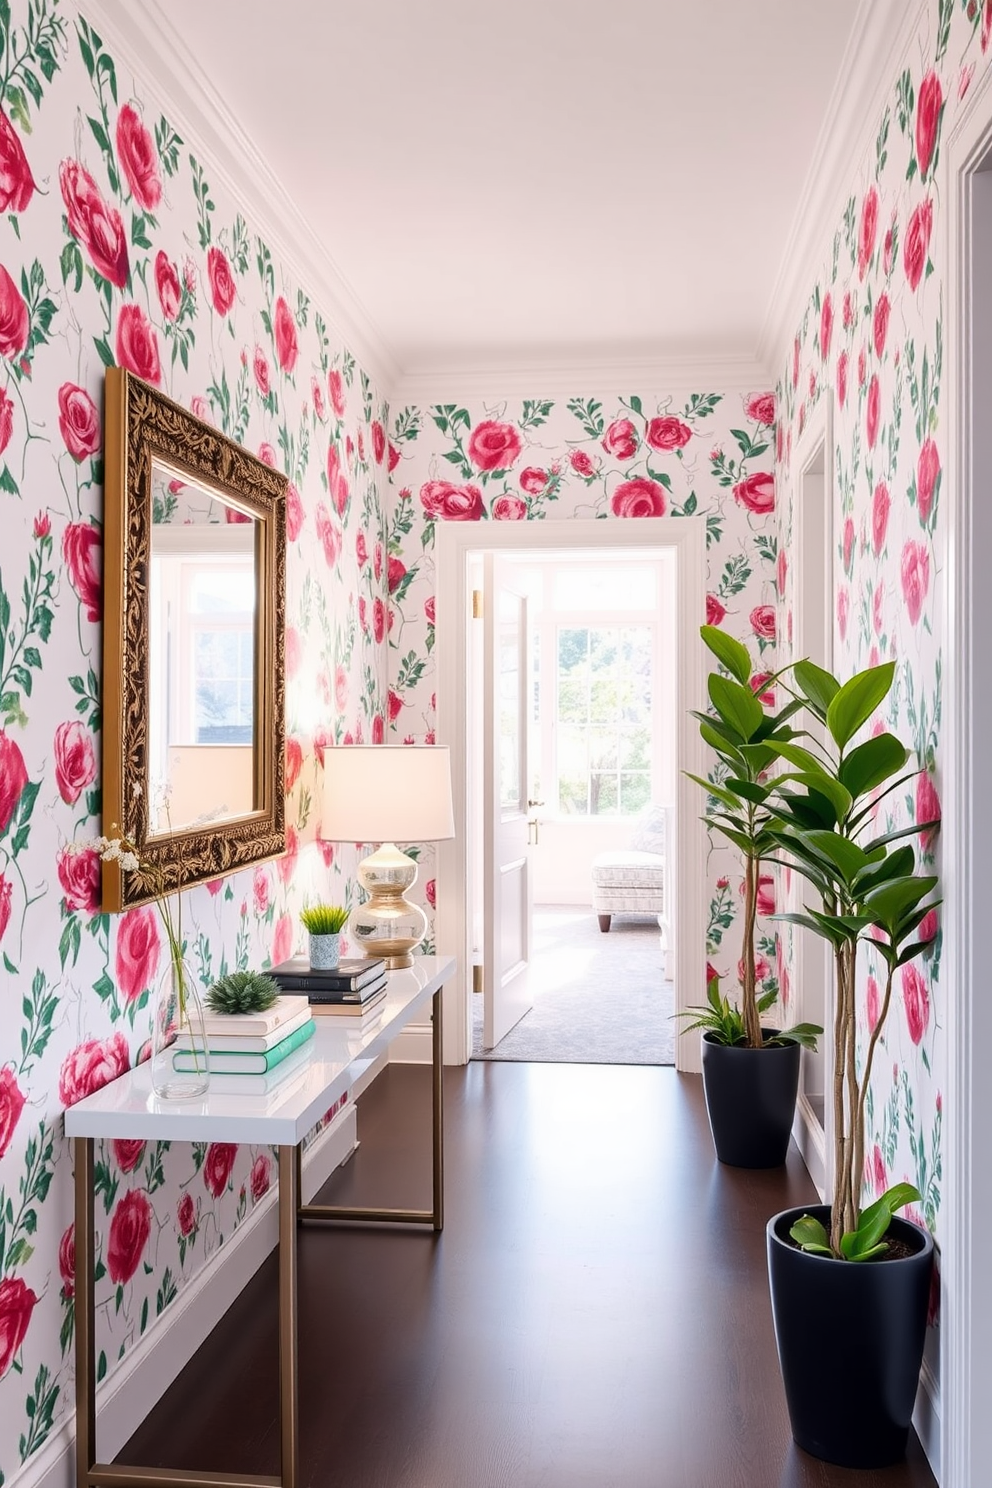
x=476 y=604
x=477 y=977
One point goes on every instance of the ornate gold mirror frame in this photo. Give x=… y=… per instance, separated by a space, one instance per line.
x=177 y=491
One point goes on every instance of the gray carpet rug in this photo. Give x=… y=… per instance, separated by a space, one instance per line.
x=598 y=999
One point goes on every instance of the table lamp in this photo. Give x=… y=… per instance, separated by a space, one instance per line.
x=387 y=794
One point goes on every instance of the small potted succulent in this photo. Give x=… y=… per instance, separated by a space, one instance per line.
x=850 y=1285
x=324 y=923
x=750 y=1072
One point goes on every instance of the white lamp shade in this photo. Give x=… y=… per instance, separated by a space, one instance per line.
x=387 y=793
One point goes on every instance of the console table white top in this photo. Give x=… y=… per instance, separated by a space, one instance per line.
x=128 y=1107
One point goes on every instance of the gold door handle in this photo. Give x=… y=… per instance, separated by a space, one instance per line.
x=533 y=826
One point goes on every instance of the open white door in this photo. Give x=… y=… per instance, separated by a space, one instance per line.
x=506 y=871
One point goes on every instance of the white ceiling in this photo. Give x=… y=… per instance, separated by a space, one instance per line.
x=536 y=182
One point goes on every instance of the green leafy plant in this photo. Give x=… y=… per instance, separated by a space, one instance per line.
x=867 y=1241
x=243 y=992
x=725 y=1022
x=748 y=742
x=867 y=887
x=324 y=919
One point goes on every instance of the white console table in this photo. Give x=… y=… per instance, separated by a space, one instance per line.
x=128 y=1108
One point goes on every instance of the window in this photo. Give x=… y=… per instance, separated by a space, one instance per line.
x=604 y=719
x=221 y=671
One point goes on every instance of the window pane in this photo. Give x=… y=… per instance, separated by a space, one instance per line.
x=602 y=794
x=573 y=648
x=604 y=688
x=607 y=700
x=572 y=795
x=602 y=751
x=573 y=704
x=585 y=586
x=223 y=591
x=635 y=793
x=509 y=715
x=635 y=750
x=603 y=649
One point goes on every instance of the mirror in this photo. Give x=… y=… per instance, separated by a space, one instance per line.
x=194 y=615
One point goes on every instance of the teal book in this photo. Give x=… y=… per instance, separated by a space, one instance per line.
x=226 y=1063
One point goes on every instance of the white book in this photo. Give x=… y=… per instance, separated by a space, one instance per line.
x=281 y=1011
x=291 y=1074
x=248 y=1043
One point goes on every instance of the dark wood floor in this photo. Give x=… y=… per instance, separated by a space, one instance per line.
x=595 y=1314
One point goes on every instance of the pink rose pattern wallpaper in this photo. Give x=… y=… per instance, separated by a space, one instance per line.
x=667 y=455
x=116 y=247
x=872 y=335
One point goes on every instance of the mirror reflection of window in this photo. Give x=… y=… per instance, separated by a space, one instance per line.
x=216 y=669
x=202 y=610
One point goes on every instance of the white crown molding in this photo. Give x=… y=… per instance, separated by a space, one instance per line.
x=881 y=32
x=139 y=32
x=881 y=35
x=570 y=376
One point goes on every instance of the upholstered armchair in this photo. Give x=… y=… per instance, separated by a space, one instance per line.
x=632 y=880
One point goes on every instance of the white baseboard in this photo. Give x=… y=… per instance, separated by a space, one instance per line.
x=125 y=1398
x=808 y=1135
x=413 y=1046
x=926 y=1417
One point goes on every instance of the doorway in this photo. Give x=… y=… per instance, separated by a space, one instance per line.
x=596 y=999
x=578 y=646
x=684 y=540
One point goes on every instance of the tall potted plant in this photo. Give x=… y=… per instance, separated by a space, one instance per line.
x=750 y=1073
x=850 y=1285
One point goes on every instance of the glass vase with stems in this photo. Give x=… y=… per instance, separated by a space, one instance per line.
x=178 y=1032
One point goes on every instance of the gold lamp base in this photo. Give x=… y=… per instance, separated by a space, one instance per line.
x=387 y=924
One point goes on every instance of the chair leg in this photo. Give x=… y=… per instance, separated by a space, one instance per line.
x=604 y=922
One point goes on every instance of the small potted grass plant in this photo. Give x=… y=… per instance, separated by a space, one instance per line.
x=324 y=923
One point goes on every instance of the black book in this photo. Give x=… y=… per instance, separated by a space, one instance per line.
x=350 y=975
x=356 y=999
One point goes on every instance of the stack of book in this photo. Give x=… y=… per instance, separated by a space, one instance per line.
x=252 y=1052
x=353 y=993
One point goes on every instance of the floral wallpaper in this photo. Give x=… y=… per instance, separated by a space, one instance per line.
x=873 y=334
x=116 y=247
x=666 y=454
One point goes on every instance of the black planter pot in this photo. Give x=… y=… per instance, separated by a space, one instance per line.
x=751 y=1101
x=850 y=1342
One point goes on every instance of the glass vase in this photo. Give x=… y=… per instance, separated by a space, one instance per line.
x=178 y=1031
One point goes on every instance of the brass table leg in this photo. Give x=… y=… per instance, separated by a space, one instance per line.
x=91 y=1473
x=435 y=1215
x=289 y=1199
x=85 y=1310
x=437 y=1107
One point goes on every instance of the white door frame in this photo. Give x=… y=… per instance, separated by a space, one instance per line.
x=966 y=1215
x=507 y=866
x=454 y=541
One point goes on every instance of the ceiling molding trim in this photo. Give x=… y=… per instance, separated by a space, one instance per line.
x=880 y=37
x=493 y=383
x=140 y=34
